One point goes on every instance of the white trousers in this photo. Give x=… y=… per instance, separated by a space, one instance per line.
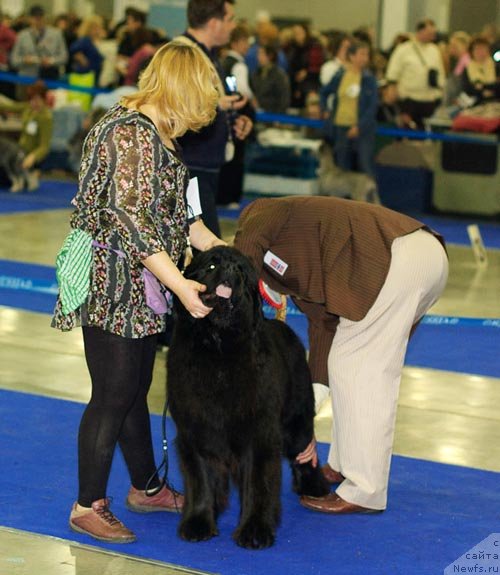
x=365 y=364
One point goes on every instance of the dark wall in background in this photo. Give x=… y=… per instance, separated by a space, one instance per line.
x=471 y=15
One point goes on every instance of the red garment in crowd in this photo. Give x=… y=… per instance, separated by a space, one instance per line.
x=7 y=40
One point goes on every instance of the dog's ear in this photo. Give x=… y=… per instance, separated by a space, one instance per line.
x=258 y=314
x=253 y=281
x=193 y=266
x=251 y=287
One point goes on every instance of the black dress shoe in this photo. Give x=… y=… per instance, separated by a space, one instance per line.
x=334 y=504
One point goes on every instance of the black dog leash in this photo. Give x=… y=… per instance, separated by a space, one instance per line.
x=188 y=256
x=163 y=465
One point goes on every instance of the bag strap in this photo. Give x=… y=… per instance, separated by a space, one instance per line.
x=419 y=54
x=96 y=244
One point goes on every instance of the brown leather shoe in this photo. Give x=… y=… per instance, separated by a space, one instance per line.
x=165 y=500
x=332 y=503
x=331 y=475
x=100 y=523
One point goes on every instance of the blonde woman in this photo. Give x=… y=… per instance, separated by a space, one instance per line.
x=84 y=53
x=459 y=50
x=132 y=202
x=458 y=56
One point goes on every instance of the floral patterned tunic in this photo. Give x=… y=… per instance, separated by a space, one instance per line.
x=131 y=198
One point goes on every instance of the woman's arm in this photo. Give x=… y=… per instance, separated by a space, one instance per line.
x=330 y=89
x=44 y=138
x=202 y=238
x=161 y=265
x=17 y=107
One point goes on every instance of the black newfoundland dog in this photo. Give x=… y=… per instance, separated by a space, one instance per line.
x=241 y=397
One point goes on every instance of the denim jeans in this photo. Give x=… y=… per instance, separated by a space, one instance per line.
x=354 y=153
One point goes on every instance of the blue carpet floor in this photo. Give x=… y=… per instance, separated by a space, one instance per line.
x=454 y=230
x=51 y=195
x=31 y=287
x=437 y=512
x=460 y=345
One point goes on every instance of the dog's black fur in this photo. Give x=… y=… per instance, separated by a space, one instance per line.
x=241 y=396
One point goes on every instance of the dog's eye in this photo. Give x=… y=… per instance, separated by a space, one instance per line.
x=211 y=267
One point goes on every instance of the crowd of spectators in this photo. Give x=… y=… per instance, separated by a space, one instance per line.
x=290 y=69
x=427 y=66
x=51 y=48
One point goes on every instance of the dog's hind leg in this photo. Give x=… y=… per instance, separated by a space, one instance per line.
x=199 y=513
x=260 y=485
x=307 y=480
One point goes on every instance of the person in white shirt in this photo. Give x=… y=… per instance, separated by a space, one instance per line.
x=337 y=47
x=234 y=62
x=417 y=68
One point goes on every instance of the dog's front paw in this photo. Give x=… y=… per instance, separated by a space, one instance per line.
x=254 y=534
x=197 y=528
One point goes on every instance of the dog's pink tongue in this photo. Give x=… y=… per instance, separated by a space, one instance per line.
x=223 y=291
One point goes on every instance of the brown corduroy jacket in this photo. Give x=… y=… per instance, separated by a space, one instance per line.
x=338 y=254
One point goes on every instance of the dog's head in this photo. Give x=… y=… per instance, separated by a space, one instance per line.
x=232 y=289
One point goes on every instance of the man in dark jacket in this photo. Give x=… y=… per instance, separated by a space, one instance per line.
x=210 y=23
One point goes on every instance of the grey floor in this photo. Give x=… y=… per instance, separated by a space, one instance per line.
x=443 y=416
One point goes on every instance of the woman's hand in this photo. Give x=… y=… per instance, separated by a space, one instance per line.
x=202 y=238
x=29 y=161
x=81 y=59
x=353 y=132
x=309 y=454
x=301 y=75
x=188 y=291
x=189 y=294
x=217 y=242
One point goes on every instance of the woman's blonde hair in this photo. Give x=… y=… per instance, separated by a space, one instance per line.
x=89 y=23
x=180 y=81
x=461 y=37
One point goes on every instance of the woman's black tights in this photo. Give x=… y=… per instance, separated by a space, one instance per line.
x=121 y=370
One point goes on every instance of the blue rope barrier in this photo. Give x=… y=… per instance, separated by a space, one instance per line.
x=266 y=117
x=290 y=120
x=436 y=320
x=52 y=84
x=437 y=136
x=49 y=286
